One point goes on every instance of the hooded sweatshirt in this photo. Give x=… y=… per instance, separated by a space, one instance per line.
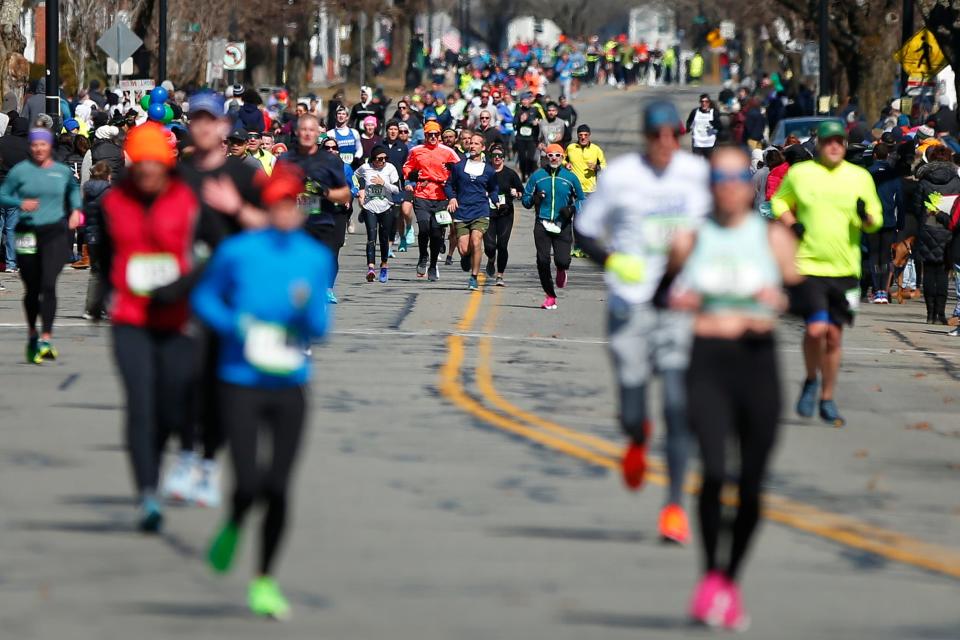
x=251 y=117
x=14 y=146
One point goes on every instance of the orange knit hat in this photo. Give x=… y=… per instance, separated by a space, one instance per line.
x=149 y=141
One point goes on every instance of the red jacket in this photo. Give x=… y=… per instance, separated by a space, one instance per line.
x=776 y=176
x=433 y=170
x=150 y=247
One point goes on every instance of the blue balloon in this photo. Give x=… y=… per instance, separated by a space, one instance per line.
x=156 y=112
x=158 y=95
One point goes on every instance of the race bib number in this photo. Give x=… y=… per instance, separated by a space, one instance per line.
x=147 y=272
x=551 y=227
x=346 y=157
x=267 y=348
x=526 y=131
x=443 y=217
x=309 y=204
x=853 y=299
x=659 y=232
x=554 y=137
x=26 y=243
x=375 y=191
x=501 y=199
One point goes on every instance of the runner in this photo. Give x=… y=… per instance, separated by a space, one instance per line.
x=827 y=203
x=149 y=219
x=471 y=188
x=379 y=183
x=586 y=160
x=556 y=194
x=497 y=237
x=348 y=140
x=641 y=201
x=733 y=267
x=266 y=312
x=704 y=123
x=257 y=150
x=431 y=161
x=48 y=198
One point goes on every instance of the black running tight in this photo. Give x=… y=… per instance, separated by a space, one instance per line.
x=278 y=414
x=39 y=272
x=496 y=239
x=379 y=226
x=734 y=390
x=561 y=244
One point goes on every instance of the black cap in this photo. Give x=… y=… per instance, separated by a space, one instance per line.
x=238 y=134
x=377 y=150
x=584 y=128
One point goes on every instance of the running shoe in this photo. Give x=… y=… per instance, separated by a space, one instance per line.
x=151 y=515
x=2 y=288
x=735 y=618
x=491 y=267
x=422 y=268
x=500 y=282
x=673 y=524
x=223 y=547
x=206 y=488
x=710 y=599
x=472 y=283
x=955 y=333
x=410 y=237
x=577 y=253
x=266 y=599
x=808 y=398
x=549 y=303
x=178 y=481
x=371 y=274
x=332 y=297
x=830 y=414
x=351 y=227
x=47 y=350
x=434 y=274
x=634 y=465
x=384 y=274
x=448 y=260
x=11 y=270
x=465 y=262
x=403 y=245
x=391 y=254
x=33 y=351
x=561 y=278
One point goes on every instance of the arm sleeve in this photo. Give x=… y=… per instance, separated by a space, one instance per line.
x=527 y=199
x=493 y=185
x=209 y=298
x=785 y=199
x=690 y=119
x=578 y=190
x=8 y=190
x=408 y=166
x=450 y=186
x=872 y=200
x=392 y=184
x=601 y=159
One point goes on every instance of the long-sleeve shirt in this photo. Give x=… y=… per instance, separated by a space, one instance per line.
x=560 y=188
x=378 y=198
x=55 y=188
x=474 y=184
x=266 y=311
x=432 y=165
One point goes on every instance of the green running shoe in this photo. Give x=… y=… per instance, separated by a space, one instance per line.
x=33 y=351
x=265 y=599
x=47 y=350
x=223 y=547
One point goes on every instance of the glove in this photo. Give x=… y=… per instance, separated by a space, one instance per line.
x=862 y=210
x=539 y=197
x=566 y=213
x=933 y=202
x=798 y=230
x=630 y=269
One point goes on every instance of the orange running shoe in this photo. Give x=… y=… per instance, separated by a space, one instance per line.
x=673 y=524
x=634 y=464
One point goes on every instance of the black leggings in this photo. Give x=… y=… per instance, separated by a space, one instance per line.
x=935 y=280
x=206 y=398
x=248 y=411
x=380 y=225
x=878 y=257
x=157 y=369
x=430 y=233
x=497 y=237
x=734 y=388
x=39 y=272
x=560 y=243
x=332 y=236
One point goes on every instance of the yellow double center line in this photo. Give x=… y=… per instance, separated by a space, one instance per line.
x=498 y=412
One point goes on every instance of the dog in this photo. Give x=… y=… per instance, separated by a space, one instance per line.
x=902 y=252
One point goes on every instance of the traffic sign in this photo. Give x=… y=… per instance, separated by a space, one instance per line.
x=921 y=55
x=119 y=42
x=810 y=60
x=235 y=56
x=728 y=29
x=125 y=69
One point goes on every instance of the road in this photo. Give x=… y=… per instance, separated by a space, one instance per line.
x=457 y=479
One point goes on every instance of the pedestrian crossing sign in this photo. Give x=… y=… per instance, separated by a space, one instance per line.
x=921 y=55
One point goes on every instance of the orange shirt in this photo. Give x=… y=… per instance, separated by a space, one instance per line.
x=432 y=167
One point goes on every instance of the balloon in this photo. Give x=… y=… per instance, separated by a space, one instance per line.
x=156 y=112
x=167 y=114
x=158 y=95
x=145 y=101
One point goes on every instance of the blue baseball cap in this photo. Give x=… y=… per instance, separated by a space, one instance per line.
x=207 y=102
x=659 y=114
x=70 y=124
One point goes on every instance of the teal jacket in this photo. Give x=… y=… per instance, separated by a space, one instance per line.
x=561 y=189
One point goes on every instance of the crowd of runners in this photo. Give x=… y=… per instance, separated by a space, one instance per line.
x=214 y=251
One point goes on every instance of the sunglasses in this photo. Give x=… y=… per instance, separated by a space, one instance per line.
x=483 y=119
x=380 y=159
x=331 y=148
x=403 y=107
x=582 y=135
x=431 y=135
x=722 y=177
x=496 y=155
x=554 y=155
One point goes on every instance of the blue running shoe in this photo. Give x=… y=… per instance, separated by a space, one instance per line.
x=151 y=515
x=830 y=414
x=808 y=398
x=332 y=297
x=384 y=274
x=472 y=283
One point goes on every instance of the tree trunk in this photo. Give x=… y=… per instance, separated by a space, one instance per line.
x=874 y=71
x=14 y=68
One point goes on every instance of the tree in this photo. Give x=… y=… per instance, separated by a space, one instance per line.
x=14 y=68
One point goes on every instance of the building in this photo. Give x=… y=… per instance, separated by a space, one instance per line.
x=653 y=23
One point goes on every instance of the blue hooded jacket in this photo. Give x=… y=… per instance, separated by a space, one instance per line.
x=473 y=191
x=561 y=189
x=890 y=190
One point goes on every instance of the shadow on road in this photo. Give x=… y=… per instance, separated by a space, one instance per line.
x=627 y=621
x=571 y=533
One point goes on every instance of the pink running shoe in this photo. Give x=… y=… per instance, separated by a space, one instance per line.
x=711 y=599
x=549 y=303
x=561 y=278
x=735 y=618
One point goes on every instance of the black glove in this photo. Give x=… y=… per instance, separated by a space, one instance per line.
x=798 y=230
x=566 y=213
x=862 y=210
x=538 y=197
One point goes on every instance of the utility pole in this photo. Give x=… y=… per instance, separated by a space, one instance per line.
x=825 y=88
x=906 y=30
x=162 y=38
x=362 y=19
x=232 y=75
x=429 y=46
x=53 y=62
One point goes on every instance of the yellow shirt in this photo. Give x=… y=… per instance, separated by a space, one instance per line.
x=825 y=203
x=580 y=159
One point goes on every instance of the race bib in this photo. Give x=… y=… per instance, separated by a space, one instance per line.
x=346 y=157
x=26 y=243
x=375 y=191
x=309 y=204
x=551 y=227
x=443 y=217
x=659 y=232
x=853 y=299
x=526 y=131
x=147 y=272
x=267 y=348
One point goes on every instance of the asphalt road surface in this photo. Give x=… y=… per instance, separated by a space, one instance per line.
x=458 y=479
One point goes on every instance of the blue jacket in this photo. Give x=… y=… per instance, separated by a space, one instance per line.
x=473 y=192
x=285 y=286
x=561 y=187
x=890 y=190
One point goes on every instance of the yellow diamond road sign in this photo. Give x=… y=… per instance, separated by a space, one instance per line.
x=921 y=55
